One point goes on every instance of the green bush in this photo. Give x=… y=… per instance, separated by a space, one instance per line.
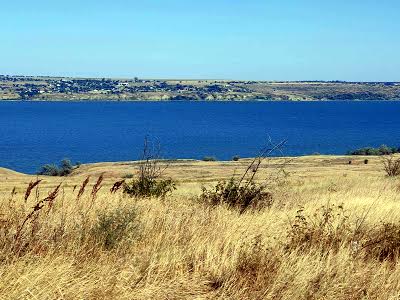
x=245 y=192
x=149 y=187
x=49 y=170
x=65 y=168
x=149 y=182
x=239 y=195
x=115 y=226
x=209 y=158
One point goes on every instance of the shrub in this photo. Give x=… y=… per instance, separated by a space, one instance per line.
x=115 y=226
x=49 y=170
x=149 y=187
x=385 y=150
x=327 y=228
x=236 y=158
x=243 y=193
x=149 y=182
x=65 y=168
x=209 y=158
x=238 y=195
x=391 y=166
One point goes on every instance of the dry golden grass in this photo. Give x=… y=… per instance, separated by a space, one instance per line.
x=178 y=248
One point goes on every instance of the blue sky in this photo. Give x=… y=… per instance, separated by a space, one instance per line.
x=350 y=40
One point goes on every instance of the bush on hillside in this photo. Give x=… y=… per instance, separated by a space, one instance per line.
x=149 y=187
x=65 y=168
x=245 y=192
x=149 y=182
x=49 y=170
x=239 y=195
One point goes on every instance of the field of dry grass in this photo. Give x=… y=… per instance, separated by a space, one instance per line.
x=333 y=232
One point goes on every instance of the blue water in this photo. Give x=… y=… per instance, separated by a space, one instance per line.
x=35 y=133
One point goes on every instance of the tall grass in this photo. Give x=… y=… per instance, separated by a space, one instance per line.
x=313 y=242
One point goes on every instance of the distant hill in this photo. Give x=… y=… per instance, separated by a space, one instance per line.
x=63 y=88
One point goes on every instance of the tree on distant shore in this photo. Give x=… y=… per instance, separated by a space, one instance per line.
x=382 y=150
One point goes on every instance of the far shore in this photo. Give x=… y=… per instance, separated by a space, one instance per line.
x=109 y=89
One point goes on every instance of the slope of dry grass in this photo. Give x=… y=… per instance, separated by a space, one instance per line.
x=327 y=236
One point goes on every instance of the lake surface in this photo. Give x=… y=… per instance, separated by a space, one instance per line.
x=36 y=133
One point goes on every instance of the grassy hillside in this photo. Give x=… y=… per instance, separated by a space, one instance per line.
x=332 y=232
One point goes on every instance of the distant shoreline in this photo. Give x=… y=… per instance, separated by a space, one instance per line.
x=186 y=101
x=21 y=88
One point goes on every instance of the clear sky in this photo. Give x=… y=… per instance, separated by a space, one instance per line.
x=354 y=40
